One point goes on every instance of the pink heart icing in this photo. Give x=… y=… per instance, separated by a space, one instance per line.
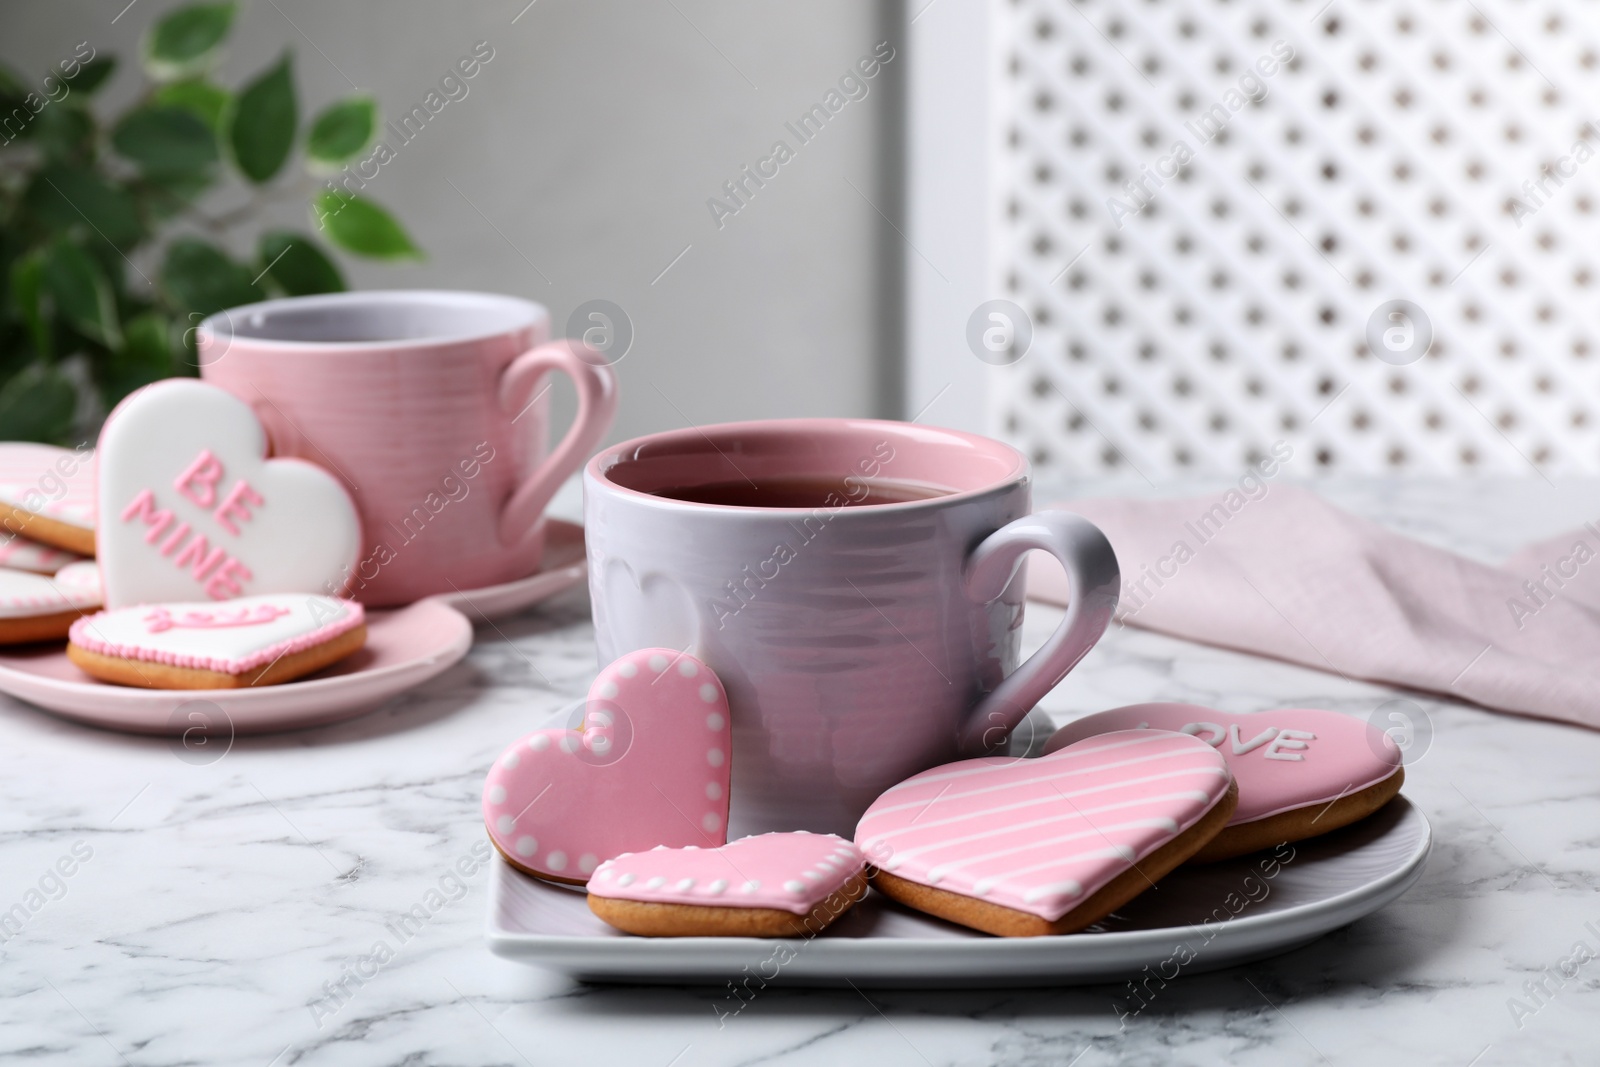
x=1283 y=759
x=649 y=766
x=1043 y=835
x=791 y=872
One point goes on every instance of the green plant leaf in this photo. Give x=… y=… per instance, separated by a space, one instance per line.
x=199 y=96
x=185 y=41
x=75 y=199
x=81 y=292
x=145 y=356
x=37 y=404
x=92 y=75
x=261 y=122
x=339 y=134
x=165 y=140
x=200 y=280
x=64 y=135
x=27 y=295
x=360 y=226
x=168 y=195
x=296 y=265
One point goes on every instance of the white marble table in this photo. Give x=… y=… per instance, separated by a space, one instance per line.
x=220 y=903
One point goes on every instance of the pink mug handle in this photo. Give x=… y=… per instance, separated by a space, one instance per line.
x=597 y=407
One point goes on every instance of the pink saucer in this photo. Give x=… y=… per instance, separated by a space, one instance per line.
x=563 y=567
x=404 y=648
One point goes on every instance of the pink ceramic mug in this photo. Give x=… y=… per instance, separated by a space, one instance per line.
x=859 y=643
x=431 y=407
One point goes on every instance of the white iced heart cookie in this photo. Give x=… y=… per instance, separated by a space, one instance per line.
x=20 y=554
x=37 y=607
x=191 y=508
x=250 y=641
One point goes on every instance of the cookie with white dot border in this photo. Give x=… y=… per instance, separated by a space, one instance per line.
x=771 y=885
x=38 y=607
x=648 y=765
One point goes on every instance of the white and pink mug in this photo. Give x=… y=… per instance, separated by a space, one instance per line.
x=856 y=585
x=431 y=407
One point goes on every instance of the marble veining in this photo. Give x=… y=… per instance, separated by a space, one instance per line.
x=318 y=897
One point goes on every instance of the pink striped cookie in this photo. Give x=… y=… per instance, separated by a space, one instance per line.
x=1301 y=771
x=771 y=885
x=38 y=607
x=1023 y=847
x=47 y=494
x=248 y=641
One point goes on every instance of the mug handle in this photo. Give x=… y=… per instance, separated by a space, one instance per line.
x=1094 y=580
x=597 y=407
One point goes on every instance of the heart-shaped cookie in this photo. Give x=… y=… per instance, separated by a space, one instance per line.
x=1301 y=771
x=647 y=766
x=770 y=885
x=36 y=607
x=47 y=494
x=18 y=553
x=250 y=641
x=1022 y=847
x=191 y=508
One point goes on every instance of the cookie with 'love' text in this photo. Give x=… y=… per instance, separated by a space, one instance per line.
x=1301 y=772
x=251 y=641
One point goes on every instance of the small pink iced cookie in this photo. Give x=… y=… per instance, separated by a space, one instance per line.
x=20 y=554
x=1021 y=847
x=251 y=641
x=1301 y=771
x=771 y=885
x=47 y=494
x=38 y=607
x=647 y=766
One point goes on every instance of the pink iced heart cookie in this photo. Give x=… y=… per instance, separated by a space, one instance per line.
x=36 y=607
x=47 y=494
x=1023 y=847
x=647 y=766
x=1301 y=771
x=770 y=885
x=191 y=508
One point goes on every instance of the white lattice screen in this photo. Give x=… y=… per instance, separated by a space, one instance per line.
x=1232 y=311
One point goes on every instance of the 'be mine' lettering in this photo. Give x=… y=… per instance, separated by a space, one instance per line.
x=188 y=548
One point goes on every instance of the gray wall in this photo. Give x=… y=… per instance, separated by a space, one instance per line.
x=592 y=141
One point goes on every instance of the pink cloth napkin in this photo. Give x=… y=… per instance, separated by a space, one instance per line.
x=1289 y=575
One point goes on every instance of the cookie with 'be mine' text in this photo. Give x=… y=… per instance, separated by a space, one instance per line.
x=771 y=885
x=191 y=508
x=1301 y=771
x=1024 y=847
